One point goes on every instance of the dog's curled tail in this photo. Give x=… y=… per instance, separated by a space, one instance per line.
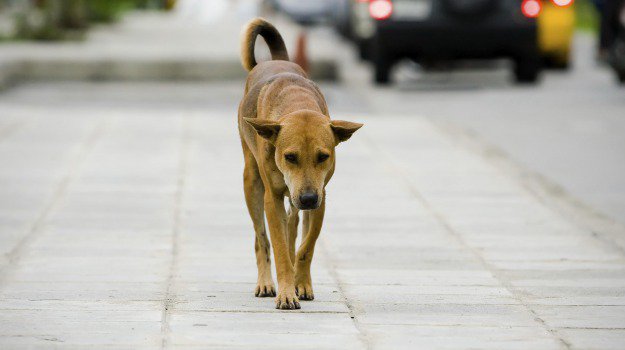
x=259 y=26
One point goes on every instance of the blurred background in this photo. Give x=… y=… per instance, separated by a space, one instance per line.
x=540 y=80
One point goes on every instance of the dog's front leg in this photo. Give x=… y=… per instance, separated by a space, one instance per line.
x=277 y=220
x=291 y=230
x=303 y=281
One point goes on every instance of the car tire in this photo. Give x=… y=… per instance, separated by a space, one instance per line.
x=382 y=62
x=364 y=50
x=617 y=57
x=621 y=77
x=382 y=73
x=560 y=65
x=557 y=62
x=526 y=70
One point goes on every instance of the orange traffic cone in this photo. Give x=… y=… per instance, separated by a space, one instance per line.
x=301 y=58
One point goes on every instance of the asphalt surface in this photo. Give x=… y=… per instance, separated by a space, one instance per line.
x=570 y=128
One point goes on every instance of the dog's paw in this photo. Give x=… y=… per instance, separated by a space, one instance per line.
x=287 y=299
x=304 y=291
x=265 y=290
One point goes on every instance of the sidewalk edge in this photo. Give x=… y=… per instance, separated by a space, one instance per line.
x=13 y=72
x=546 y=191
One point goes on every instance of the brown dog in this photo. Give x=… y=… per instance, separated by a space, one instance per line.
x=288 y=143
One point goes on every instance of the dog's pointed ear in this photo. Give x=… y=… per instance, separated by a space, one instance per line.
x=343 y=130
x=267 y=129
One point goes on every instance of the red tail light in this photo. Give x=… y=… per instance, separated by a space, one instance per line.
x=562 y=3
x=531 y=8
x=380 y=9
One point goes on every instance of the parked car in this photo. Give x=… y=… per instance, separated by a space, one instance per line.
x=306 y=12
x=341 y=18
x=362 y=27
x=556 y=25
x=430 y=31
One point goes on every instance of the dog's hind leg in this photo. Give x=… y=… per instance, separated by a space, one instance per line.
x=291 y=228
x=254 y=194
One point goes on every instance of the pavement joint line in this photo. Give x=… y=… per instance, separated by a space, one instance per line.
x=36 y=229
x=548 y=193
x=285 y=312
x=598 y=328
x=170 y=295
x=330 y=264
x=393 y=168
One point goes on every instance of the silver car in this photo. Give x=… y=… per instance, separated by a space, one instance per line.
x=307 y=12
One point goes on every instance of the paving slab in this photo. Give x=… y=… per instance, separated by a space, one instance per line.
x=123 y=226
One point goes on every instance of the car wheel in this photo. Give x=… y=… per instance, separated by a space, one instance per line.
x=563 y=65
x=617 y=56
x=557 y=62
x=382 y=62
x=382 y=73
x=526 y=70
x=364 y=50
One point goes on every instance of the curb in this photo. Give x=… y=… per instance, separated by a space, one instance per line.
x=8 y=74
x=546 y=191
x=13 y=72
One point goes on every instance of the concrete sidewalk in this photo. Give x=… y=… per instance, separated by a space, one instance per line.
x=124 y=226
x=144 y=45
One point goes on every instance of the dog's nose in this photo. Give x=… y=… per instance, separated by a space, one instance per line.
x=308 y=200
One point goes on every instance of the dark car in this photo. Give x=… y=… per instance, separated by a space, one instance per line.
x=341 y=17
x=431 y=31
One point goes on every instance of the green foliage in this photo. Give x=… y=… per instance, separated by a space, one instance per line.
x=42 y=22
x=60 y=19
x=74 y=14
x=111 y=10
x=108 y=10
x=587 y=17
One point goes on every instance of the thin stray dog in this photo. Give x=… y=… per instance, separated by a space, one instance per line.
x=288 y=143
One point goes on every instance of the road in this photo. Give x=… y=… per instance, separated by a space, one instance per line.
x=569 y=129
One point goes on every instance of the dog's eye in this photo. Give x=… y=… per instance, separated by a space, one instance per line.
x=322 y=157
x=291 y=158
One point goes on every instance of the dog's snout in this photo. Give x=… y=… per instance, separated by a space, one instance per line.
x=308 y=200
